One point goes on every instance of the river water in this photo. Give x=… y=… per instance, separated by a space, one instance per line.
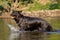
x=5 y=33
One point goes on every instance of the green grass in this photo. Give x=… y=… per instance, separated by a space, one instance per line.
x=38 y=6
x=47 y=6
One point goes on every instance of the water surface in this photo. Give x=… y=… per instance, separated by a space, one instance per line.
x=5 y=33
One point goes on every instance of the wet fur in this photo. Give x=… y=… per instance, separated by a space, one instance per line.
x=27 y=23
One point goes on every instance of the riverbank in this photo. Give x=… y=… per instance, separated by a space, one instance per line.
x=42 y=13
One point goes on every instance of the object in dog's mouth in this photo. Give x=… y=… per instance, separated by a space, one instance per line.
x=12 y=17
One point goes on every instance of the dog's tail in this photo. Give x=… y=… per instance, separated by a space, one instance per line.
x=50 y=28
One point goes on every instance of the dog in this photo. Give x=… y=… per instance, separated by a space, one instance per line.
x=27 y=23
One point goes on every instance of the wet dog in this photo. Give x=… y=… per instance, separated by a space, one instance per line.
x=27 y=23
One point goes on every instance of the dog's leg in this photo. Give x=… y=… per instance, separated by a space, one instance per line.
x=43 y=27
x=39 y=29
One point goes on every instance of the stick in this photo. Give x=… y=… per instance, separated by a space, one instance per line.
x=6 y=17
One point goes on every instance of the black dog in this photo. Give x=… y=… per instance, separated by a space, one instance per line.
x=30 y=23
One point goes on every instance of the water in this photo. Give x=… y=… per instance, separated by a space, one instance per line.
x=5 y=33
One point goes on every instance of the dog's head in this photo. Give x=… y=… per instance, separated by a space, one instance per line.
x=16 y=13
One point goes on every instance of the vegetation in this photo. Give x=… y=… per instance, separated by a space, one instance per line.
x=38 y=6
x=30 y=4
x=53 y=6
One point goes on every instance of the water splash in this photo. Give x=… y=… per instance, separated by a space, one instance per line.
x=12 y=28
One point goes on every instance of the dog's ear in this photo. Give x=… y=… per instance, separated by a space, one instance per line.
x=19 y=12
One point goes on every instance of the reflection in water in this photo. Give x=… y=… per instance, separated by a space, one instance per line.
x=16 y=35
x=13 y=36
x=28 y=36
